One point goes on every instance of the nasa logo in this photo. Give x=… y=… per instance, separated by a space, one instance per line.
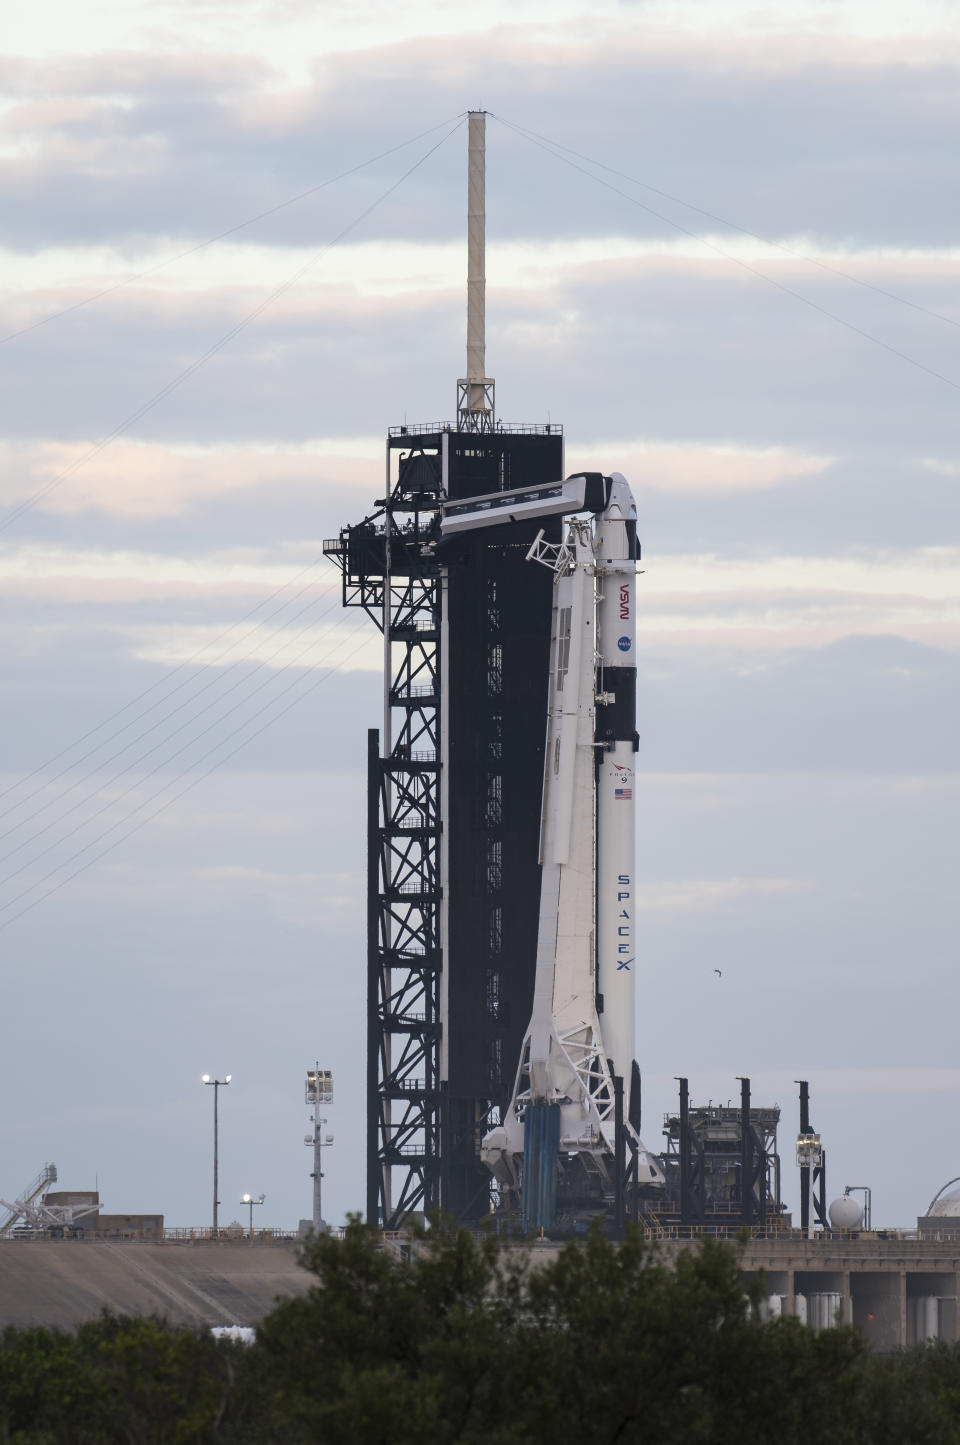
x=624 y=602
x=623 y=643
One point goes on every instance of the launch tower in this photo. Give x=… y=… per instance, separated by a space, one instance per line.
x=501 y=876
x=454 y=782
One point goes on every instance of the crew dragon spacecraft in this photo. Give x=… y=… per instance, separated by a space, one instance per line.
x=560 y=1147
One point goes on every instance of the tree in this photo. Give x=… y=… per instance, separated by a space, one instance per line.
x=130 y=1380
x=467 y=1342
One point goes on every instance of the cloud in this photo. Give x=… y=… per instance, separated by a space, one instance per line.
x=811 y=600
x=670 y=899
x=306 y=899
x=860 y=705
x=698 y=467
x=183 y=143
x=143 y=481
x=336 y=642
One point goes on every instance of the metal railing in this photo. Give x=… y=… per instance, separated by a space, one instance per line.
x=232 y=1234
x=502 y=428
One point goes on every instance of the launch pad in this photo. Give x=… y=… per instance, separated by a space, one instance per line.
x=501 y=822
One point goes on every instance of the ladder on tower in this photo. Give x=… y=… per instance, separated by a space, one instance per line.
x=46 y=1177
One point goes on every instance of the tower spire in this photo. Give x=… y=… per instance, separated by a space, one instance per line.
x=475 y=391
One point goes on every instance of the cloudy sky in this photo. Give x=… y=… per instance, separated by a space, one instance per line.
x=232 y=256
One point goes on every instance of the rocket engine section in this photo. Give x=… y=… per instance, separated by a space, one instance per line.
x=557 y=1146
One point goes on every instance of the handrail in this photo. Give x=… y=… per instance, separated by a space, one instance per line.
x=47 y=1175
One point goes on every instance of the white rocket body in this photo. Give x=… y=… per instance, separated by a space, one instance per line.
x=616 y=781
x=562 y=1049
x=571 y=1049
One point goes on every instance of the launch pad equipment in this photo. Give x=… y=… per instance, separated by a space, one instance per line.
x=31 y=1213
x=36 y=1187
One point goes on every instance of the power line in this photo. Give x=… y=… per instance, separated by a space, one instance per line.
x=221 y=235
x=188 y=722
x=217 y=677
x=195 y=365
x=745 y=265
x=242 y=702
x=187 y=662
x=733 y=225
x=204 y=732
x=5 y=923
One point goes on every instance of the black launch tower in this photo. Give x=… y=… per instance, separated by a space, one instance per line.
x=454 y=791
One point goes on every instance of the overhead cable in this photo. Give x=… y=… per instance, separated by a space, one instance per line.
x=199 y=361
x=736 y=260
x=161 y=682
x=216 y=678
x=734 y=225
x=222 y=235
x=348 y=641
x=148 y=752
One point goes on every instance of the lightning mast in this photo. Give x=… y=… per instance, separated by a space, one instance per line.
x=453 y=801
x=475 y=391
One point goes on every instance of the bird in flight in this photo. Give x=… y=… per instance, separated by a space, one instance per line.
x=718 y=973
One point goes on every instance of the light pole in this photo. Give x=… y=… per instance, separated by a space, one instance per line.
x=319 y=1090
x=249 y=1199
x=218 y=1084
x=809 y=1157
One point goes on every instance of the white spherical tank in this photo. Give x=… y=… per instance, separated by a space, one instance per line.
x=845 y=1213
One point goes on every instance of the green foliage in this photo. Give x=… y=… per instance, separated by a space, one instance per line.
x=136 y=1381
x=470 y=1342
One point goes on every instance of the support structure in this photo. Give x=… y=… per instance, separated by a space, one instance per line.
x=753 y=1173
x=692 y=1195
x=318 y=1091
x=475 y=392
x=813 y=1169
x=390 y=569
x=453 y=809
x=722 y=1166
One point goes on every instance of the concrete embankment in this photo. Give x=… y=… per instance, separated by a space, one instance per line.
x=63 y=1282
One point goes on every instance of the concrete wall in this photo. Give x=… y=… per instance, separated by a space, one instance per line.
x=63 y=1282
x=898 y=1292
x=138 y=1226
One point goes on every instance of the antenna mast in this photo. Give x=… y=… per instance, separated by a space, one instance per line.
x=475 y=392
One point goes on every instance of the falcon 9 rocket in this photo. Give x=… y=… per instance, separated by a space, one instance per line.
x=556 y=1152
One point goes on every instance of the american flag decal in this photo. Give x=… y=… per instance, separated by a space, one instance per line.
x=623 y=792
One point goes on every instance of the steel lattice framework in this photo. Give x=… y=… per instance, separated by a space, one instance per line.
x=390 y=571
x=453 y=810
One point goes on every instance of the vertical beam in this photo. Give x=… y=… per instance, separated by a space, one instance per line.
x=373 y=977
x=804 y=1170
x=820 y=1194
x=846 y=1300
x=620 y=1155
x=476 y=253
x=475 y=404
x=216 y=1157
x=685 y=1214
x=746 y=1155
